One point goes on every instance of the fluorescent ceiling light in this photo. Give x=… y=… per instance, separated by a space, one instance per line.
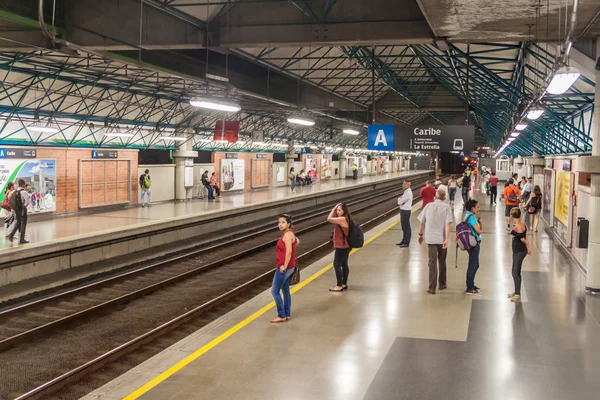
x=510 y=139
x=314 y=147
x=535 y=113
x=562 y=80
x=515 y=134
x=351 y=131
x=301 y=121
x=520 y=127
x=221 y=141
x=258 y=143
x=175 y=138
x=119 y=134
x=204 y=140
x=42 y=128
x=218 y=105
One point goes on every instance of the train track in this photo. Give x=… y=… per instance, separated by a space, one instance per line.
x=129 y=301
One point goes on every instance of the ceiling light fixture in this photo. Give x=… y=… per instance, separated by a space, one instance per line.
x=351 y=131
x=221 y=141
x=301 y=121
x=510 y=139
x=218 y=105
x=175 y=138
x=535 y=113
x=42 y=128
x=520 y=127
x=119 y=134
x=515 y=134
x=562 y=80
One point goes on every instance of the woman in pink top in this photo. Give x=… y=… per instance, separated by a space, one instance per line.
x=340 y=216
x=285 y=262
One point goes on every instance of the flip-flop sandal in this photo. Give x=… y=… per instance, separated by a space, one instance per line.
x=334 y=290
x=276 y=320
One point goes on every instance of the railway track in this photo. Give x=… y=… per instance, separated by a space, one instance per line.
x=118 y=314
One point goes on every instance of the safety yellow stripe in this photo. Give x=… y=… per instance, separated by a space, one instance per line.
x=202 y=350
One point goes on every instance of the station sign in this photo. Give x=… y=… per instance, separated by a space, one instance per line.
x=17 y=153
x=422 y=138
x=480 y=154
x=104 y=154
x=260 y=156
x=231 y=155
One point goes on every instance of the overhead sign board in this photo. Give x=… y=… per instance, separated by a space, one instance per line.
x=103 y=154
x=439 y=138
x=480 y=154
x=382 y=137
x=17 y=153
x=231 y=155
x=261 y=155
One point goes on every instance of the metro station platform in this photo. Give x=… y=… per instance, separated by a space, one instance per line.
x=387 y=338
x=64 y=244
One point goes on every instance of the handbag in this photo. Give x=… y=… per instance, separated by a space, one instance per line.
x=295 y=278
x=532 y=209
x=5 y=204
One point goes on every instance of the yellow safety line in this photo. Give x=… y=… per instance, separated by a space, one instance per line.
x=204 y=349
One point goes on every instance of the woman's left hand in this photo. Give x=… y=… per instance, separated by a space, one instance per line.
x=528 y=252
x=282 y=269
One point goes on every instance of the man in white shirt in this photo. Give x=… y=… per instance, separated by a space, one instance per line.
x=405 y=203
x=444 y=188
x=435 y=221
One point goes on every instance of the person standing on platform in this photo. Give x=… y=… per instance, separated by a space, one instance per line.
x=465 y=184
x=405 y=203
x=8 y=213
x=452 y=187
x=292 y=178
x=145 y=183
x=354 y=171
x=427 y=194
x=511 y=198
x=493 y=188
x=533 y=207
x=19 y=202
x=435 y=221
x=520 y=250
x=207 y=185
x=214 y=184
x=526 y=190
x=475 y=176
x=340 y=216
x=473 y=218
x=285 y=263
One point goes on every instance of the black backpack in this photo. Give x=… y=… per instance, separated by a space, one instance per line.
x=356 y=236
x=16 y=201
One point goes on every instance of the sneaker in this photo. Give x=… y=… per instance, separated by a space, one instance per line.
x=473 y=291
x=511 y=295
x=403 y=245
x=443 y=287
x=477 y=288
x=24 y=242
x=431 y=291
x=516 y=298
x=399 y=244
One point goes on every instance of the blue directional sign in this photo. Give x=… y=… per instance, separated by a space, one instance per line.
x=381 y=137
x=461 y=154
x=104 y=154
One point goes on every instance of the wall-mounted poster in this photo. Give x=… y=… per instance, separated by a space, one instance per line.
x=232 y=174
x=547 y=196
x=39 y=175
x=561 y=196
x=325 y=168
x=280 y=172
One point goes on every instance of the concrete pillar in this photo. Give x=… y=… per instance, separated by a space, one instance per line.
x=183 y=154
x=343 y=162
x=592 y=165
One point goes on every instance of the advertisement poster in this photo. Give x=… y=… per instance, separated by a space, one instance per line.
x=547 y=196
x=279 y=172
x=232 y=174
x=40 y=176
x=325 y=168
x=561 y=207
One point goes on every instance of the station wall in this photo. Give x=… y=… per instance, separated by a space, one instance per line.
x=163 y=182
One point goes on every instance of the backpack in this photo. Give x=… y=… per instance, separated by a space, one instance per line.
x=356 y=236
x=465 y=239
x=16 y=201
x=146 y=183
x=512 y=197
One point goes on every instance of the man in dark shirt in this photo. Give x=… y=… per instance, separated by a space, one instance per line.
x=427 y=194
x=466 y=187
x=493 y=188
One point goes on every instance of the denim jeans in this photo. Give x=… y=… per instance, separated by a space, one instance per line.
x=465 y=194
x=211 y=195
x=406 y=230
x=146 y=191
x=452 y=194
x=293 y=184
x=473 y=265
x=340 y=265
x=281 y=282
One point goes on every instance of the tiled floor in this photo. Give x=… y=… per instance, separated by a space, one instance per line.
x=386 y=338
x=68 y=226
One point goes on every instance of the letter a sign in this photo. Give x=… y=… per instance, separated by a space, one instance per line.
x=381 y=137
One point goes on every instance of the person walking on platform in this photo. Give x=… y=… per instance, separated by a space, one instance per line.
x=452 y=187
x=340 y=216
x=473 y=218
x=427 y=194
x=405 y=203
x=493 y=188
x=533 y=207
x=145 y=183
x=8 y=213
x=465 y=184
x=443 y=187
x=207 y=185
x=435 y=221
x=19 y=202
x=520 y=249
x=511 y=198
x=214 y=185
x=285 y=264
x=292 y=178
x=475 y=178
